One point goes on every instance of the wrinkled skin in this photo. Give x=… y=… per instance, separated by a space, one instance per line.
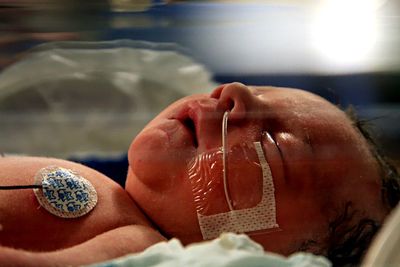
x=318 y=160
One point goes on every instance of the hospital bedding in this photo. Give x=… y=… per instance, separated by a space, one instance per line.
x=229 y=250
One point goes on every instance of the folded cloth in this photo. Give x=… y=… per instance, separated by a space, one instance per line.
x=229 y=250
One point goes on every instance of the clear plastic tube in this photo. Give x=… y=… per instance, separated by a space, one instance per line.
x=217 y=184
x=224 y=157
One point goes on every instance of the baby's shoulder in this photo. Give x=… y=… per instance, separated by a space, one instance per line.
x=24 y=218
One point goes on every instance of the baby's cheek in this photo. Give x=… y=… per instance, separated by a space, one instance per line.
x=177 y=215
x=148 y=159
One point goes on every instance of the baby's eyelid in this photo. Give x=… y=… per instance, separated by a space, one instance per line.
x=273 y=137
x=270 y=136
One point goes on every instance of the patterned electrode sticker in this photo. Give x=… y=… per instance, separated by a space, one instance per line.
x=64 y=192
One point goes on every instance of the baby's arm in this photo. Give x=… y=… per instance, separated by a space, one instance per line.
x=106 y=246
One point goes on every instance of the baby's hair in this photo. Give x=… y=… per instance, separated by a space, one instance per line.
x=348 y=242
x=389 y=174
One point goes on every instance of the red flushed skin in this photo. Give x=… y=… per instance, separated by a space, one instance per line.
x=27 y=225
x=317 y=159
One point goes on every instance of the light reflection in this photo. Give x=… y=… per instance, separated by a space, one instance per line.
x=346 y=31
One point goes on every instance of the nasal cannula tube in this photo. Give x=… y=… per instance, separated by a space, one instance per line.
x=224 y=157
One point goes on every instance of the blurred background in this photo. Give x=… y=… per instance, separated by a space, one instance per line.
x=347 y=51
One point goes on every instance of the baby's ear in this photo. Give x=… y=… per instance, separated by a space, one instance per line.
x=313 y=246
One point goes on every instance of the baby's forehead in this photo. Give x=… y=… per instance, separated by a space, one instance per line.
x=295 y=92
x=293 y=96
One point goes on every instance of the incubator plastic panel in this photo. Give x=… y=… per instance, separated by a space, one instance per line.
x=91 y=98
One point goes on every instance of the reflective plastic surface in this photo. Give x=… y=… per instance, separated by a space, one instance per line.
x=346 y=51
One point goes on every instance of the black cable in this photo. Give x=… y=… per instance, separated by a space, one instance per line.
x=14 y=187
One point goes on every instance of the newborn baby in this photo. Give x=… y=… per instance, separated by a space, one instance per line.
x=207 y=164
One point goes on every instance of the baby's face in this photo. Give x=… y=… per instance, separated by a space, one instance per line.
x=318 y=161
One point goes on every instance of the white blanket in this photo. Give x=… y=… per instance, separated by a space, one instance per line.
x=229 y=250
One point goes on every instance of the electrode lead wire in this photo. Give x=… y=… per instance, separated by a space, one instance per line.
x=14 y=187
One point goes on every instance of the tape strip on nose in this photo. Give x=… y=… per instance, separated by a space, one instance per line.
x=64 y=193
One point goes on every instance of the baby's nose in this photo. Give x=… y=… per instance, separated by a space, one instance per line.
x=235 y=97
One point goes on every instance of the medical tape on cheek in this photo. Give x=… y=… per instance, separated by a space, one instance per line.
x=202 y=172
x=209 y=184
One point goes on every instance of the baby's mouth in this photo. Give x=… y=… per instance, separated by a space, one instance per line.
x=190 y=126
